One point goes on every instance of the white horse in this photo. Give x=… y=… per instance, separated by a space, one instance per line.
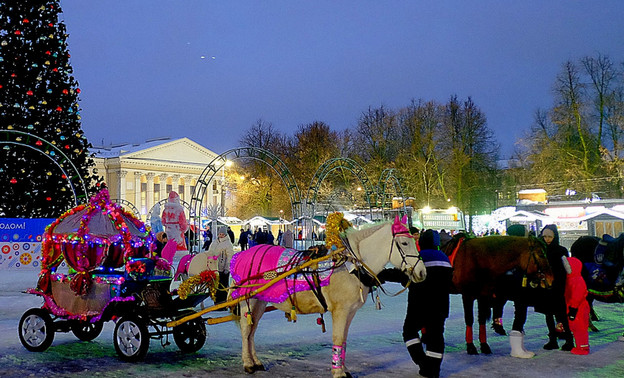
x=370 y=250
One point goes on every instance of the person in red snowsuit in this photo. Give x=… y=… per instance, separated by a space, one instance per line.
x=578 y=308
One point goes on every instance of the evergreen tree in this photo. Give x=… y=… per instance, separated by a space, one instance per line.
x=39 y=96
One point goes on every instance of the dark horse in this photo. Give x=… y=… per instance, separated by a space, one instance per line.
x=480 y=264
x=603 y=268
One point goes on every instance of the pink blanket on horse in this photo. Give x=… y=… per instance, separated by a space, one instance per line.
x=248 y=268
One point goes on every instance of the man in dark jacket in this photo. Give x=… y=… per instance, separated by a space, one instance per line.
x=427 y=305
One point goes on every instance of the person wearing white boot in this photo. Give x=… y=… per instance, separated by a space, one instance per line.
x=516 y=336
x=516 y=339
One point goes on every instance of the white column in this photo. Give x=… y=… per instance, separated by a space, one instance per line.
x=122 y=184
x=163 y=186
x=149 y=195
x=175 y=181
x=187 y=188
x=137 y=190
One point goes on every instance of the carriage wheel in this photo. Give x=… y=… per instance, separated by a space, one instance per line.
x=131 y=338
x=36 y=330
x=190 y=336
x=86 y=331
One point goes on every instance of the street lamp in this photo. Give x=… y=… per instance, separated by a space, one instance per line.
x=227 y=163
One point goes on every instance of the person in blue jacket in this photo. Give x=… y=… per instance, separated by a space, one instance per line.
x=427 y=305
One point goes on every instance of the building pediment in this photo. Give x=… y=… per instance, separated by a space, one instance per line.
x=180 y=150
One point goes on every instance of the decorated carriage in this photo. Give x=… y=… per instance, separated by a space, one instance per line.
x=97 y=266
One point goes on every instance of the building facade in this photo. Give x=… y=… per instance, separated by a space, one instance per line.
x=144 y=174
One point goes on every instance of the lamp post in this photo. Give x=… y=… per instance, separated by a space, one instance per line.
x=227 y=163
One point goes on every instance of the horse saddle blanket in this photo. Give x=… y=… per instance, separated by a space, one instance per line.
x=260 y=264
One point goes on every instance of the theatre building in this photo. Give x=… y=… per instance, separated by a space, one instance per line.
x=143 y=174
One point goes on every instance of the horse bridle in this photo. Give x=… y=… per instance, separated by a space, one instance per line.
x=533 y=256
x=404 y=255
x=365 y=270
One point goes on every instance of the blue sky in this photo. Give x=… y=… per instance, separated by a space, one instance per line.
x=208 y=70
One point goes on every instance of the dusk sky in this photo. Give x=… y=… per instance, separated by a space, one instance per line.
x=208 y=70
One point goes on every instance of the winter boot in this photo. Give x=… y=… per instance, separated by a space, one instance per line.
x=582 y=350
x=552 y=342
x=516 y=340
x=430 y=366
x=415 y=349
x=497 y=326
x=569 y=342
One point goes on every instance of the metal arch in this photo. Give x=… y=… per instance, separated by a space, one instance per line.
x=58 y=157
x=254 y=153
x=129 y=205
x=331 y=165
x=386 y=175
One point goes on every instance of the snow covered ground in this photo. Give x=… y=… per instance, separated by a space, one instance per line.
x=300 y=349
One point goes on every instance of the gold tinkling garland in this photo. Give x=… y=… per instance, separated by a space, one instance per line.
x=334 y=226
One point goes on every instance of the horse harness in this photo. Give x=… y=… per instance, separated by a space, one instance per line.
x=534 y=248
x=365 y=274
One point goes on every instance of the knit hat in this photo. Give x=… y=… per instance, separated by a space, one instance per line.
x=429 y=239
x=222 y=230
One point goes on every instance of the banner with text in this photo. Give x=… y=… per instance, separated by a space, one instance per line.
x=20 y=242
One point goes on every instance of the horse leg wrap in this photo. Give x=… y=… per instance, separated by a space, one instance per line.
x=469 y=335
x=482 y=334
x=337 y=360
x=343 y=354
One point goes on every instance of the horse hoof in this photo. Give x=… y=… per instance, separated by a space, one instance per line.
x=485 y=348
x=259 y=367
x=250 y=369
x=471 y=349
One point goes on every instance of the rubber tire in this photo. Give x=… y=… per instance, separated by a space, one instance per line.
x=36 y=330
x=86 y=331
x=131 y=338
x=190 y=336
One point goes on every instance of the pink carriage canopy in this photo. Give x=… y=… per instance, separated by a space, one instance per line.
x=99 y=233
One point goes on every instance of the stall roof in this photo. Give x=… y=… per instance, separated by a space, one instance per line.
x=530 y=215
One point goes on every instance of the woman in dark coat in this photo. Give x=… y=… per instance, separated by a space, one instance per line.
x=554 y=306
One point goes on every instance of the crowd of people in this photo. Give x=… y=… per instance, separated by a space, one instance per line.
x=565 y=306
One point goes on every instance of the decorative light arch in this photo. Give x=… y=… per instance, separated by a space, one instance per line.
x=331 y=165
x=129 y=205
x=255 y=153
x=388 y=175
x=50 y=151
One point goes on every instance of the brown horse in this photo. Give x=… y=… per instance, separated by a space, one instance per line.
x=480 y=264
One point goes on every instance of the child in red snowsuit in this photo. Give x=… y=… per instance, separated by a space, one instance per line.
x=578 y=308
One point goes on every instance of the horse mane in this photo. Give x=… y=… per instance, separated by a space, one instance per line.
x=356 y=236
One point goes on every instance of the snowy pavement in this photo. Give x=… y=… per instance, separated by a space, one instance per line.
x=300 y=349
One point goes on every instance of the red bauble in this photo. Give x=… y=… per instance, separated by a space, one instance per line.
x=65 y=91
x=67 y=146
x=59 y=109
x=25 y=21
x=17 y=32
x=48 y=198
x=13 y=181
x=77 y=90
x=30 y=93
x=63 y=177
x=39 y=143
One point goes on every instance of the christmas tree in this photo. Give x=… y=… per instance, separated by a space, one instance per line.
x=38 y=96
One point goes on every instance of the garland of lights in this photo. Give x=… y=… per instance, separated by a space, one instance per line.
x=78 y=245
